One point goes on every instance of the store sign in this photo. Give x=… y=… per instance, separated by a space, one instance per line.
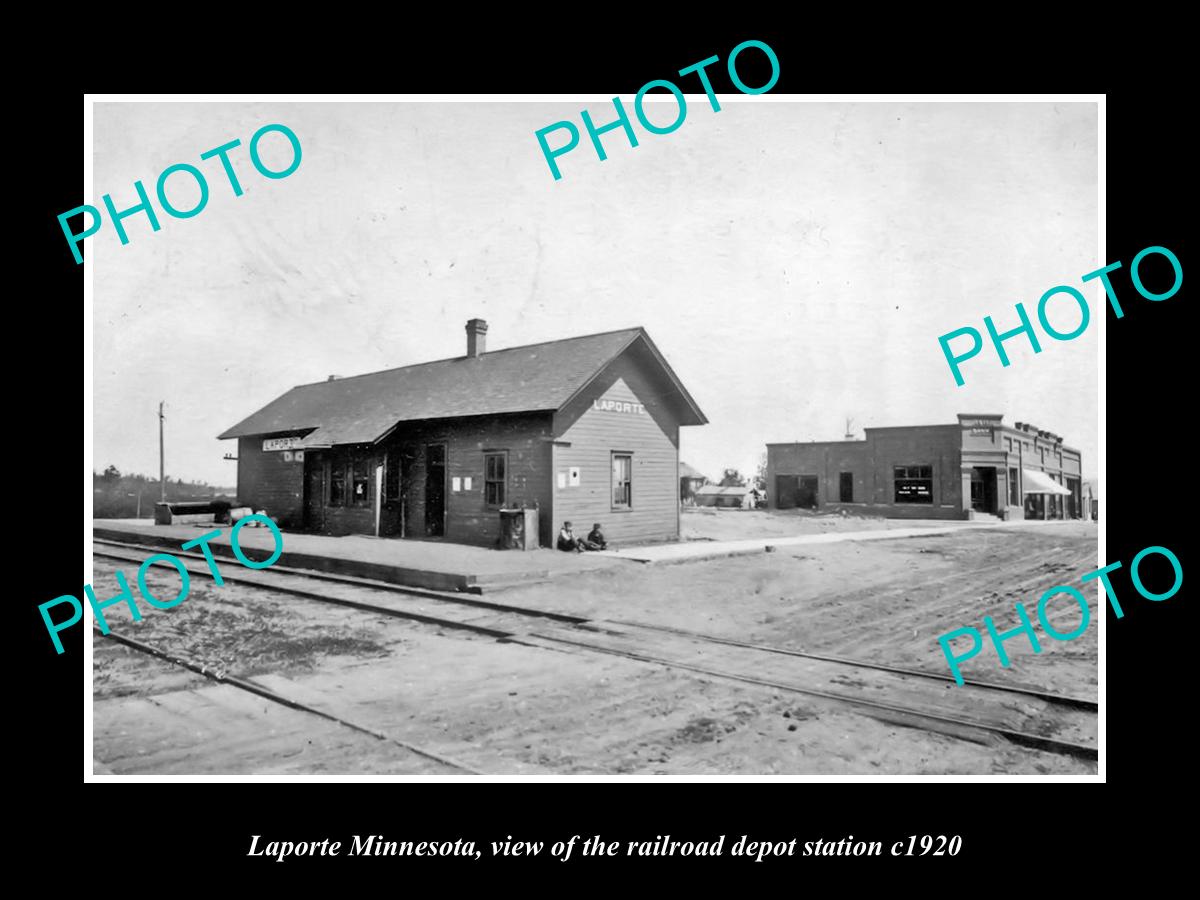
x=619 y=406
x=914 y=491
x=981 y=432
x=288 y=443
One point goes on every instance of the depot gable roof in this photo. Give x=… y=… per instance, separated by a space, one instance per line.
x=536 y=377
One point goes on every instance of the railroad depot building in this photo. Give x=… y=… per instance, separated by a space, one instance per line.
x=584 y=429
x=977 y=468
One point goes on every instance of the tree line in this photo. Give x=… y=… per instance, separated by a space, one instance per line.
x=118 y=496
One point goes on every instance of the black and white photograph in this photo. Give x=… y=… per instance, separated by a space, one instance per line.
x=504 y=437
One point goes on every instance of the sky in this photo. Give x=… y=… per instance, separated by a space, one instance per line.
x=794 y=262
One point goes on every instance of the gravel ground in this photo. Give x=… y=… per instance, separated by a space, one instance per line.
x=883 y=601
x=509 y=709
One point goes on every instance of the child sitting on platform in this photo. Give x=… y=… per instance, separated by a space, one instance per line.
x=596 y=540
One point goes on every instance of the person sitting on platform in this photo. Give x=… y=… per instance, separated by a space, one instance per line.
x=596 y=540
x=567 y=540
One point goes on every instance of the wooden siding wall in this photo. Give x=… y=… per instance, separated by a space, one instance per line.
x=265 y=481
x=587 y=437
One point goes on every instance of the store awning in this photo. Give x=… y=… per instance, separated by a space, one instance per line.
x=1041 y=483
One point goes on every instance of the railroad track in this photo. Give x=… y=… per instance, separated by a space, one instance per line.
x=978 y=711
x=252 y=687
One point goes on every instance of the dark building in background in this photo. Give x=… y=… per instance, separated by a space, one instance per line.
x=978 y=468
x=690 y=480
x=584 y=429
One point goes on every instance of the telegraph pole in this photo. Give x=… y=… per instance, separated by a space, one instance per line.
x=162 y=469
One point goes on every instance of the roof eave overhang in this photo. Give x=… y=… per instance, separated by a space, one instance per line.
x=392 y=430
x=238 y=432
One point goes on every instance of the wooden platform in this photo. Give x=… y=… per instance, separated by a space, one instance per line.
x=437 y=565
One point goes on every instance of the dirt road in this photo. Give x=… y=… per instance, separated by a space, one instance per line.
x=886 y=601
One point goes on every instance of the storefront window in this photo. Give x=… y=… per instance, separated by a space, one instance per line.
x=1014 y=488
x=914 y=484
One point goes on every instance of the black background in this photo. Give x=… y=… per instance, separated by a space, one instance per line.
x=200 y=833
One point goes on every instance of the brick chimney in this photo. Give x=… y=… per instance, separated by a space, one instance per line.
x=476 y=337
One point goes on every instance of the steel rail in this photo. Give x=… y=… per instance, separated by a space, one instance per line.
x=1019 y=737
x=265 y=692
x=1045 y=696
x=1064 y=699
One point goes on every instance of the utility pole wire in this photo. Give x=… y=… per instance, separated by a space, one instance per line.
x=162 y=468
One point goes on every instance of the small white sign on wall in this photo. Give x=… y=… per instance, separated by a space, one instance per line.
x=456 y=484
x=467 y=483
x=562 y=479
x=573 y=478
x=287 y=455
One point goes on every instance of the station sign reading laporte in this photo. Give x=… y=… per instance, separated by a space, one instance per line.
x=619 y=406
x=287 y=443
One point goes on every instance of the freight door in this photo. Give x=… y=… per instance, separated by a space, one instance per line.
x=786 y=488
x=435 y=490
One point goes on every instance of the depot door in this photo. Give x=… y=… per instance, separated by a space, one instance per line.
x=314 y=492
x=435 y=490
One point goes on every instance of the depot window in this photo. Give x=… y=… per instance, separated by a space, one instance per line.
x=337 y=483
x=360 y=480
x=495 y=479
x=914 y=484
x=622 y=480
